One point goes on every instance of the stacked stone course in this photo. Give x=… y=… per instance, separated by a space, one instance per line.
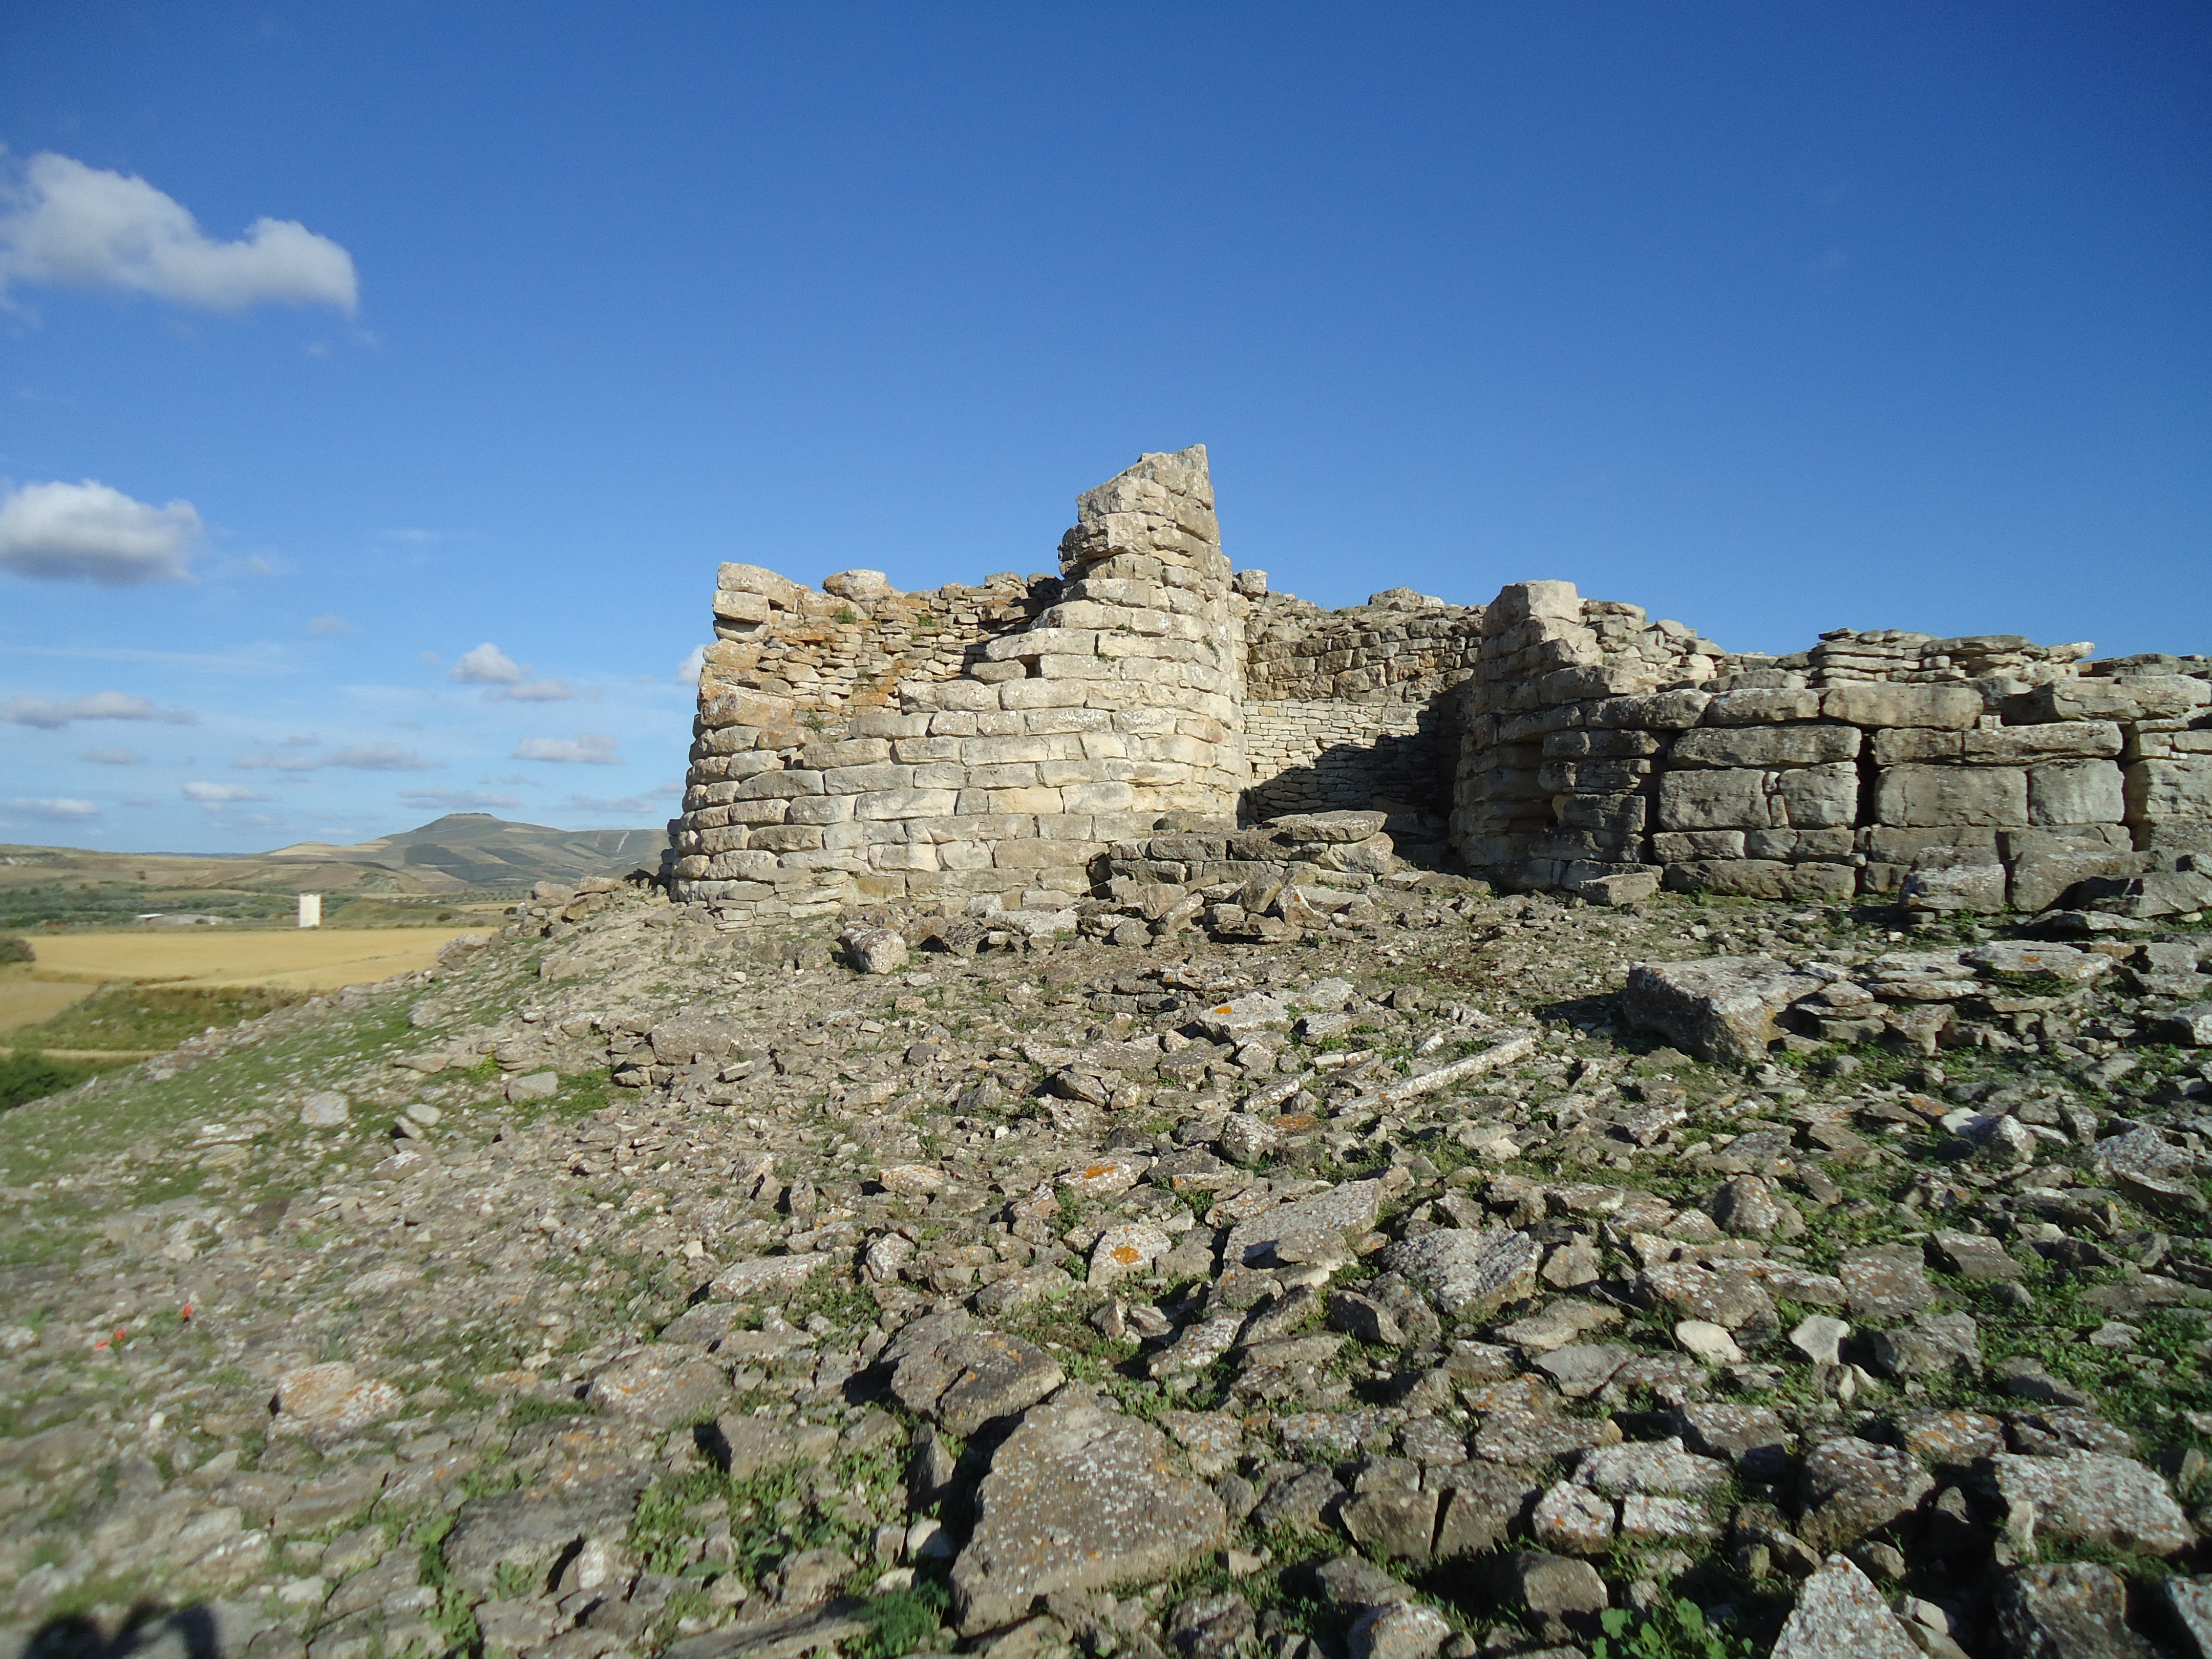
x=1000 y=752
x=1964 y=772
x=1021 y=741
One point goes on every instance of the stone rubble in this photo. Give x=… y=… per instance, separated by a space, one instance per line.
x=1183 y=1233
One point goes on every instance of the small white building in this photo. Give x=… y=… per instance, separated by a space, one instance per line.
x=311 y=909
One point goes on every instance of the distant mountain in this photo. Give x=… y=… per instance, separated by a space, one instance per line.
x=475 y=849
x=446 y=858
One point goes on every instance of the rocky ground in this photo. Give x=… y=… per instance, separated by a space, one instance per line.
x=1435 y=1272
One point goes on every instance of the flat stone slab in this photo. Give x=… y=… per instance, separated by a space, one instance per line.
x=1840 y=1612
x=1309 y=1230
x=2090 y=1498
x=1466 y=1274
x=663 y=1387
x=1078 y=1498
x=532 y=1526
x=1722 y=1008
x=767 y=1276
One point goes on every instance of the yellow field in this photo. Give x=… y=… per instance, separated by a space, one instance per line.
x=308 y=959
x=26 y=1001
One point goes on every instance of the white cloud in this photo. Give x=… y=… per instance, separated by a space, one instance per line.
x=455 y=800
x=588 y=748
x=488 y=665
x=58 y=807
x=653 y=803
x=688 y=671
x=113 y=757
x=355 y=757
x=100 y=706
x=380 y=758
x=66 y=225
x=329 y=625
x=276 y=763
x=536 y=691
x=217 y=794
x=87 y=532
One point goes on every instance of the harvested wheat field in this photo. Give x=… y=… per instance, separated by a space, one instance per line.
x=302 y=960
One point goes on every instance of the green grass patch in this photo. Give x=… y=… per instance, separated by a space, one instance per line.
x=150 y=1016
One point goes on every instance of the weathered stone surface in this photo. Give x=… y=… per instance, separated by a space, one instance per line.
x=1721 y=1008
x=964 y=1379
x=1561 y=1597
x=1853 y=1487
x=2087 y=1498
x=333 y=1399
x=664 y=1387
x=771 y=1277
x=1466 y=1274
x=1078 y=1498
x=532 y=1527
x=1839 y=1612
x=1310 y=1230
x=1884 y=1283
x=2067 y=1610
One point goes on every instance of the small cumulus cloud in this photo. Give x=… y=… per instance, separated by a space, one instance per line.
x=587 y=749
x=330 y=625
x=88 y=532
x=688 y=671
x=354 y=757
x=536 y=691
x=113 y=757
x=44 y=713
x=219 y=795
x=380 y=758
x=455 y=800
x=55 y=809
x=487 y=666
x=66 y=225
x=647 y=802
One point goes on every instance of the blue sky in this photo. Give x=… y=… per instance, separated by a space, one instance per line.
x=427 y=329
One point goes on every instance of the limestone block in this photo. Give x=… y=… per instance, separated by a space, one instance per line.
x=1041 y=693
x=1655 y=711
x=882 y=723
x=2148 y=696
x=1051 y=667
x=1833 y=846
x=940 y=775
x=1577 y=744
x=2076 y=791
x=1940 y=708
x=1699 y=844
x=787 y=838
x=1597 y=776
x=1010 y=803
x=1761 y=706
x=1925 y=797
x=1039 y=854
x=906 y=804
x=1012 y=775
x=1818 y=797
x=2158 y=790
x=818 y=809
x=1516 y=602
x=1721 y=800
x=1766 y=745
x=953 y=723
x=741 y=867
x=867 y=780
x=1096 y=798
x=851 y=752
x=786 y=784
x=904 y=855
x=860 y=585
x=735 y=605
x=1762 y=878
x=910 y=751
x=1618 y=814
x=781 y=591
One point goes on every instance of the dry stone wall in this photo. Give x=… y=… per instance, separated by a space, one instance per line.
x=1026 y=740
x=1603 y=753
x=847 y=750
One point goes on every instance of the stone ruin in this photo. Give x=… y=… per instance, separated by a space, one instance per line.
x=1150 y=717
